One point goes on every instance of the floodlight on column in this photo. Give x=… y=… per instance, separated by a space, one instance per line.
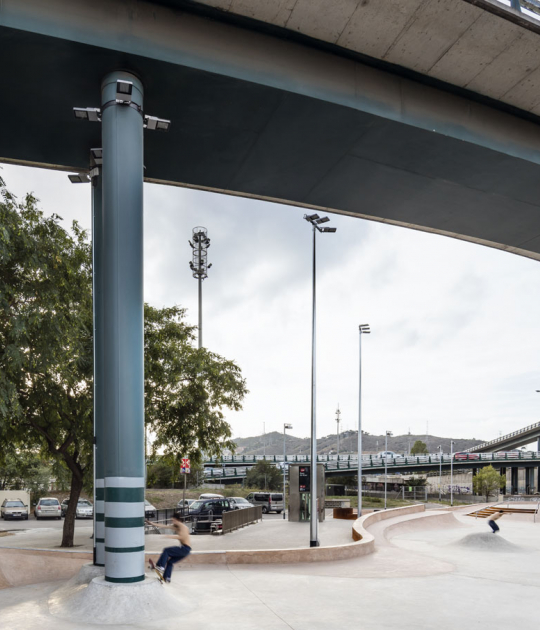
x=79 y=178
x=153 y=123
x=328 y=229
x=93 y=114
x=97 y=156
x=124 y=90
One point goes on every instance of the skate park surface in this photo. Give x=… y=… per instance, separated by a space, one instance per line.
x=437 y=569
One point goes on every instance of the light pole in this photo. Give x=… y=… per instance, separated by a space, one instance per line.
x=386 y=436
x=452 y=473
x=363 y=329
x=315 y=221
x=199 y=265
x=440 y=471
x=338 y=414
x=285 y=427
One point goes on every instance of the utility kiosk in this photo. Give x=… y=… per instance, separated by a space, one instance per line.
x=300 y=492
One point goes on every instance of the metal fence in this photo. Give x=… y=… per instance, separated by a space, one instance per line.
x=240 y=518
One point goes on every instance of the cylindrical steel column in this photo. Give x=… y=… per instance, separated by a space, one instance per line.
x=359 y=510
x=314 y=517
x=123 y=315
x=97 y=283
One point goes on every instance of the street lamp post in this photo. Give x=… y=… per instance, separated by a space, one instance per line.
x=440 y=471
x=199 y=265
x=363 y=330
x=386 y=436
x=338 y=414
x=285 y=427
x=452 y=472
x=315 y=221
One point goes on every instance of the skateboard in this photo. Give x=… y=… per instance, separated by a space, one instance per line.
x=158 y=573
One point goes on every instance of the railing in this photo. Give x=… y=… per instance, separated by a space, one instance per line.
x=240 y=518
x=527 y=7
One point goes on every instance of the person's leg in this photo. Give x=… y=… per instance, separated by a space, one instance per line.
x=163 y=559
x=492 y=525
x=175 y=555
x=495 y=528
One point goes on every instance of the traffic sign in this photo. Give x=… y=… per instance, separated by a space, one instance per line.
x=186 y=466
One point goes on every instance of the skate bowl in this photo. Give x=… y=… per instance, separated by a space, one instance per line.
x=422 y=523
x=486 y=541
x=21 y=567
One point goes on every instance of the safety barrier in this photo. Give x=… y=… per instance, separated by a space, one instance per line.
x=240 y=518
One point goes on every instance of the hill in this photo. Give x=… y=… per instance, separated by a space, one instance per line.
x=272 y=443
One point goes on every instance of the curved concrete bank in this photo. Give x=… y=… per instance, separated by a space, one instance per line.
x=19 y=567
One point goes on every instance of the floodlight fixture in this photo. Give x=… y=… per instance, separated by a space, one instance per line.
x=287 y=426
x=97 y=156
x=328 y=229
x=93 y=114
x=124 y=90
x=364 y=329
x=323 y=220
x=311 y=217
x=156 y=124
x=79 y=178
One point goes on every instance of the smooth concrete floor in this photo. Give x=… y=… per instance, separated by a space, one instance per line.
x=421 y=578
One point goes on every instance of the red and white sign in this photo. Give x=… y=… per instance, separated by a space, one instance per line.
x=186 y=466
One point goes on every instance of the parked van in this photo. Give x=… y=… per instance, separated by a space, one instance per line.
x=270 y=501
x=209 y=495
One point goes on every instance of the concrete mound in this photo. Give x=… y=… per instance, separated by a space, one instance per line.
x=105 y=603
x=486 y=541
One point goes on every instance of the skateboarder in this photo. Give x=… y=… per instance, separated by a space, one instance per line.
x=172 y=555
x=492 y=519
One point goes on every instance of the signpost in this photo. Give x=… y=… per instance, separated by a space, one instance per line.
x=185 y=469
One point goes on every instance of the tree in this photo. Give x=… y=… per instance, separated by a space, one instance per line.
x=419 y=448
x=264 y=476
x=487 y=481
x=24 y=471
x=46 y=358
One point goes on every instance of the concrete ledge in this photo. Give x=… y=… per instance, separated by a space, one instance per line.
x=359 y=531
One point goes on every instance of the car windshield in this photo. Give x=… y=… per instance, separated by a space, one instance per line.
x=196 y=505
x=48 y=502
x=147 y=503
x=14 y=504
x=84 y=503
x=239 y=500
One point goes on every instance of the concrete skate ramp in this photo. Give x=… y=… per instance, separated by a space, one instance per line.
x=486 y=541
x=423 y=522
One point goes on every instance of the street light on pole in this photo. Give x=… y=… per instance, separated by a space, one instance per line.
x=363 y=329
x=338 y=414
x=199 y=265
x=386 y=436
x=285 y=427
x=452 y=472
x=315 y=221
x=440 y=471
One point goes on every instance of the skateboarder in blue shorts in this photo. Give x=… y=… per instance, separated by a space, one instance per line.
x=492 y=519
x=172 y=555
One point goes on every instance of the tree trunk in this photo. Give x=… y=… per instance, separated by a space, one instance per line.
x=69 y=522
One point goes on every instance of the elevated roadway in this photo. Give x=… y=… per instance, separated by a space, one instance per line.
x=421 y=113
x=522 y=437
x=402 y=465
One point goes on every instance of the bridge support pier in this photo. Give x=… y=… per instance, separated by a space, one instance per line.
x=123 y=327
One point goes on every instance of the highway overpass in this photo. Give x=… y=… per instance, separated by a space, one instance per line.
x=522 y=437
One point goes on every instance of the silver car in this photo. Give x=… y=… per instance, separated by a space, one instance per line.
x=240 y=503
x=48 y=507
x=14 y=508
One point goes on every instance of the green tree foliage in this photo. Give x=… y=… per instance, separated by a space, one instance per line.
x=417 y=482
x=265 y=476
x=46 y=356
x=164 y=472
x=488 y=481
x=419 y=448
x=24 y=471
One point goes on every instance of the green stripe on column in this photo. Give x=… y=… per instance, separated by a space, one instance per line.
x=100 y=494
x=124 y=549
x=100 y=540
x=124 y=495
x=140 y=578
x=136 y=521
x=100 y=516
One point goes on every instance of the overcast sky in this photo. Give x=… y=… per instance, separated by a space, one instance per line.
x=455 y=326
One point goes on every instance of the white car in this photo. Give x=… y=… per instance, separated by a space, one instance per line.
x=48 y=507
x=388 y=455
x=240 y=503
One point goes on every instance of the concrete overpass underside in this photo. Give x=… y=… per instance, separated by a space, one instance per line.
x=289 y=115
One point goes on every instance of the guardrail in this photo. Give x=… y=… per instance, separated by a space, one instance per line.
x=527 y=7
x=240 y=518
x=504 y=438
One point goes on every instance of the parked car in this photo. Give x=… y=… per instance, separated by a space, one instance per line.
x=210 y=495
x=48 y=507
x=14 y=508
x=84 y=508
x=466 y=456
x=210 y=509
x=149 y=510
x=270 y=501
x=184 y=505
x=239 y=503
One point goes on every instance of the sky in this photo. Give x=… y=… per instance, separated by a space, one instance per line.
x=455 y=325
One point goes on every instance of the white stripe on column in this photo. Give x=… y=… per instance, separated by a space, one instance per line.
x=124 y=536
x=100 y=483
x=124 y=510
x=124 y=565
